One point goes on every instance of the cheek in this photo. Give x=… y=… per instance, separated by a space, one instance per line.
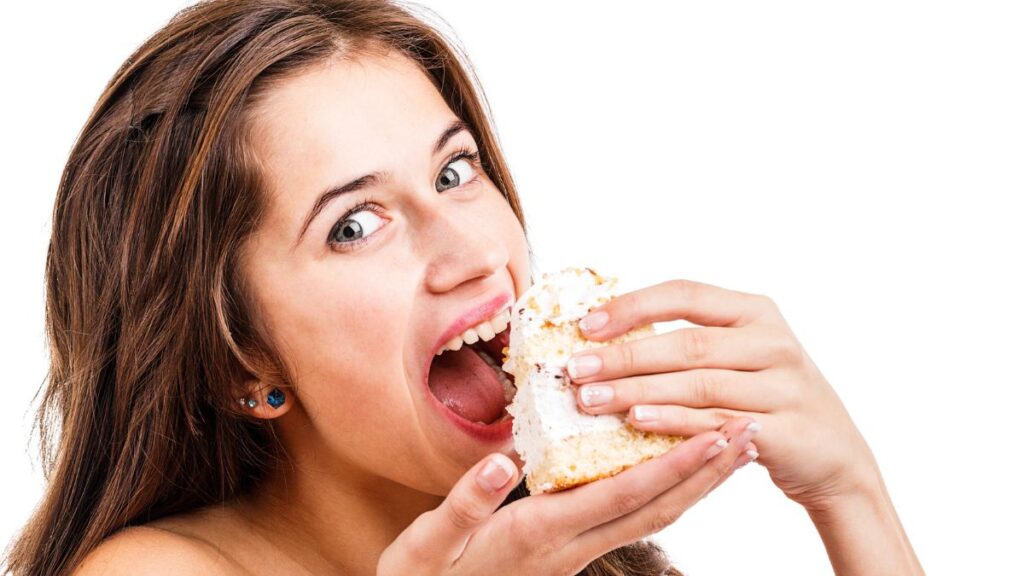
x=334 y=326
x=515 y=240
x=349 y=398
x=349 y=367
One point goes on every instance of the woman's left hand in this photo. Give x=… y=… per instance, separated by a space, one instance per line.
x=743 y=360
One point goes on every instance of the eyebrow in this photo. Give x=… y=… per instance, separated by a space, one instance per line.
x=371 y=179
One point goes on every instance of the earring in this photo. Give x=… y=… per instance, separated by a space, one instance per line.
x=275 y=398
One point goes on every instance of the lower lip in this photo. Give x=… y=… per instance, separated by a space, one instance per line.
x=500 y=431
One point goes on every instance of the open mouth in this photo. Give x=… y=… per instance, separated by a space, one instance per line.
x=470 y=383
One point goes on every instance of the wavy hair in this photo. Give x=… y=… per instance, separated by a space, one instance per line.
x=147 y=319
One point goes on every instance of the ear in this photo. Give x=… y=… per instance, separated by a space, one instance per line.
x=262 y=401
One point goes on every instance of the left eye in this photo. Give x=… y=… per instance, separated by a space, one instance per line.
x=455 y=173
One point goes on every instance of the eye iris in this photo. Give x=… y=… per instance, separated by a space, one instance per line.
x=448 y=179
x=352 y=229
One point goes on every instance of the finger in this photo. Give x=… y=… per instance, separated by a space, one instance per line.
x=681 y=420
x=581 y=508
x=697 y=302
x=698 y=388
x=749 y=455
x=441 y=534
x=749 y=348
x=666 y=508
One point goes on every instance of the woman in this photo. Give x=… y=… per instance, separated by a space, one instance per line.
x=276 y=214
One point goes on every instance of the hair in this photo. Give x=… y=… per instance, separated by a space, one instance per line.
x=150 y=326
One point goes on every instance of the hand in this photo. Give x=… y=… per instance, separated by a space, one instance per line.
x=562 y=532
x=743 y=361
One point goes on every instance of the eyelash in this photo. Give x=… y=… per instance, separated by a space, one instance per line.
x=370 y=203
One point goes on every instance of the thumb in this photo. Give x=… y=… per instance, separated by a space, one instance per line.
x=471 y=502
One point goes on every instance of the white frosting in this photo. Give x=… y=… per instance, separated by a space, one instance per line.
x=544 y=408
x=574 y=294
x=544 y=411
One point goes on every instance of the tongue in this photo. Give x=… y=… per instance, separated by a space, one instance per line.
x=467 y=385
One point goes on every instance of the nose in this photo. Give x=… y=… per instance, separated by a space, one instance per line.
x=460 y=247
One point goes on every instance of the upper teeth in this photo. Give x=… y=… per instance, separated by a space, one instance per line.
x=483 y=331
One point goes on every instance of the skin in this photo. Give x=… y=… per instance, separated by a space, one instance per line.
x=356 y=324
x=371 y=463
x=745 y=361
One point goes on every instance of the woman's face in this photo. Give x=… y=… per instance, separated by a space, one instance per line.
x=357 y=302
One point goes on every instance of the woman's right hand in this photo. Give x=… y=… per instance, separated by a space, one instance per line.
x=561 y=532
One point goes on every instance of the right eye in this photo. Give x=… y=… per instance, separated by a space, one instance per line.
x=350 y=231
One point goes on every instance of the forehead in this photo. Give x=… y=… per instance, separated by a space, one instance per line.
x=345 y=117
x=360 y=94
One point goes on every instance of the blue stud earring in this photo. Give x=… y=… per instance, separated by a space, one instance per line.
x=275 y=398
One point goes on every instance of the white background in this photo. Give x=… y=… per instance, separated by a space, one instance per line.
x=861 y=163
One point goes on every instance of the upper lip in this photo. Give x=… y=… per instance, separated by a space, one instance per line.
x=475 y=315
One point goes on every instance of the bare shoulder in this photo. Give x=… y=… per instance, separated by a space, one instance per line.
x=150 y=551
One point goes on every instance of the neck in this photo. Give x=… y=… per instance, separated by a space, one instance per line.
x=332 y=519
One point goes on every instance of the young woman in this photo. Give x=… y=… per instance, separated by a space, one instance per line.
x=278 y=211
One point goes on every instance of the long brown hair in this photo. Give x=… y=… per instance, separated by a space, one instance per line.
x=147 y=319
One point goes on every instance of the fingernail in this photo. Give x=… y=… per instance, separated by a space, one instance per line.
x=645 y=413
x=594 y=395
x=583 y=366
x=716 y=448
x=745 y=458
x=593 y=322
x=749 y=432
x=494 y=475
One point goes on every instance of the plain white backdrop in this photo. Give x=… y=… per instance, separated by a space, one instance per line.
x=861 y=163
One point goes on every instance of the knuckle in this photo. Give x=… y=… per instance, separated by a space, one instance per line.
x=786 y=349
x=719 y=416
x=418 y=547
x=632 y=394
x=683 y=287
x=696 y=344
x=721 y=466
x=793 y=353
x=660 y=519
x=682 y=472
x=767 y=305
x=766 y=302
x=547 y=547
x=463 y=515
x=626 y=357
x=622 y=307
x=626 y=502
x=705 y=389
x=525 y=532
x=629 y=305
x=787 y=394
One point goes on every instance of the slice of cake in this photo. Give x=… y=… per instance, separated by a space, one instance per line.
x=562 y=447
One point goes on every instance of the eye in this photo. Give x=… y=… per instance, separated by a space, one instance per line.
x=458 y=171
x=351 y=230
